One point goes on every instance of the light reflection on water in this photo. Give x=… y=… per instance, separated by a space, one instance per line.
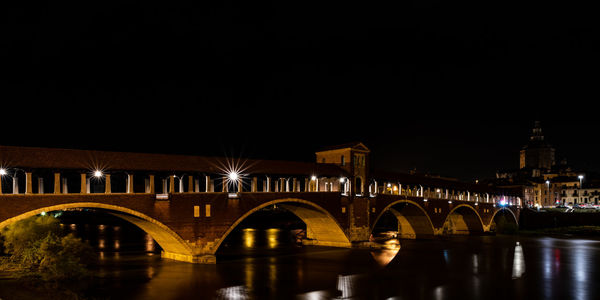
x=518 y=262
x=265 y=264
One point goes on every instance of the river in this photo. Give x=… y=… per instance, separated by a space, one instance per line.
x=267 y=264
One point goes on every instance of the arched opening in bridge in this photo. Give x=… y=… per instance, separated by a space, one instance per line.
x=406 y=218
x=463 y=220
x=504 y=221
x=155 y=235
x=282 y=224
x=109 y=234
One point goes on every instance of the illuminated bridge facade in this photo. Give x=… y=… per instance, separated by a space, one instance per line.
x=189 y=204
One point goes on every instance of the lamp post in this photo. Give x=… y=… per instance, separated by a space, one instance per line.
x=579 y=194
x=547 y=188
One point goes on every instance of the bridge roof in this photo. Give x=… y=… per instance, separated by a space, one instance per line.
x=58 y=159
x=353 y=145
x=433 y=182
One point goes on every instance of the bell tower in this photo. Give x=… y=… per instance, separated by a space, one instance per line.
x=352 y=157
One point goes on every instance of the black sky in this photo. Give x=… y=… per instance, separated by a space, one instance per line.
x=443 y=87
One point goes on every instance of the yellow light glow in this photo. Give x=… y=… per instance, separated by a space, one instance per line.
x=249 y=237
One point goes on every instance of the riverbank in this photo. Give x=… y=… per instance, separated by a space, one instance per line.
x=592 y=232
x=21 y=283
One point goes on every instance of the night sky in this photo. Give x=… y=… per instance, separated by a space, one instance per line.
x=445 y=87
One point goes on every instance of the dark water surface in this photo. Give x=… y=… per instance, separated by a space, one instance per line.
x=268 y=264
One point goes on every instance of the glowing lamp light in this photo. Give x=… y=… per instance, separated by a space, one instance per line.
x=313 y=178
x=342 y=180
x=43 y=213
x=97 y=173
x=3 y=171
x=503 y=202
x=233 y=176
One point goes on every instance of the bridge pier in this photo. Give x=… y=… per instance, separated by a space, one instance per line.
x=196 y=259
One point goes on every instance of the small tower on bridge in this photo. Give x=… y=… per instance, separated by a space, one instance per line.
x=352 y=157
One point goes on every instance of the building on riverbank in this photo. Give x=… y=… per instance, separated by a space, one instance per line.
x=543 y=182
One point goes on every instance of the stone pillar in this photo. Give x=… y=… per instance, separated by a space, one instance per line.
x=197 y=185
x=224 y=187
x=165 y=186
x=268 y=186
x=88 y=185
x=40 y=186
x=306 y=185
x=28 y=183
x=181 y=184
x=171 y=184
x=129 y=183
x=151 y=189
x=295 y=185
x=57 y=183
x=207 y=178
x=65 y=186
x=15 y=185
x=254 y=185
x=190 y=184
x=83 y=183
x=107 y=187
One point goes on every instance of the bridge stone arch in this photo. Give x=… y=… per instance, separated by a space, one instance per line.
x=463 y=220
x=321 y=227
x=413 y=221
x=503 y=210
x=174 y=247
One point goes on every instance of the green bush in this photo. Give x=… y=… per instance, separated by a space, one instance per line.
x=38 y=244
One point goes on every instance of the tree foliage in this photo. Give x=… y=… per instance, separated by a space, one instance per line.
x=39 y=244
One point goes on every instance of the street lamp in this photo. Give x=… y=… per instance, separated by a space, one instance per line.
x=579 y=194
x=2 y=172
x=547 y=189
x=98 y=174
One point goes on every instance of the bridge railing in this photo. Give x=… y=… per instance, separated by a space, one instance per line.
x=22 y=182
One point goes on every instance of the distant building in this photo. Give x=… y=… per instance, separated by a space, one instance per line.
x=541 y=181
x=537 y=154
